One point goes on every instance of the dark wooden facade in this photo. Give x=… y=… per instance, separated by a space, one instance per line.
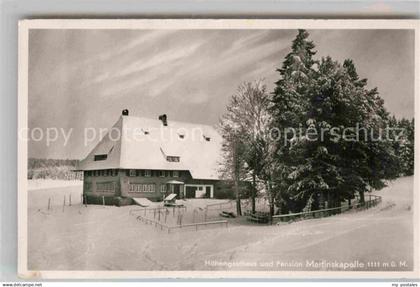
x=151 y=184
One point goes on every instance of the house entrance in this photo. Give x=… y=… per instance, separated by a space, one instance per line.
x=177 y=190
x=198 y=191
x=190 y=191
x=208 y=191
x=176 y=187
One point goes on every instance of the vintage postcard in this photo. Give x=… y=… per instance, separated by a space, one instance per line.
x=218 y=148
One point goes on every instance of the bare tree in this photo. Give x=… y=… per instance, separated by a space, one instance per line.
x=245 y=130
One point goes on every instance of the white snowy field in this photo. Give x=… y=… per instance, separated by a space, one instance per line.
x=51 y=183
x=108 y=238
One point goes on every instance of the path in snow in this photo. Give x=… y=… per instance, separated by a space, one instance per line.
x=383 y=234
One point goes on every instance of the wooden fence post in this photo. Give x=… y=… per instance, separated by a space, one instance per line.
x=64 y=202
x=205 y=215
x=103 y=200
x=70 y=199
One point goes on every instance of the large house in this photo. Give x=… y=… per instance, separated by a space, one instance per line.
x=151 y=158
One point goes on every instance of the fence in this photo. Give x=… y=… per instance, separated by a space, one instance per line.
x=220 y=205
x=157 y=210
x=330 y=211
x=189 y=225
x=373 y=201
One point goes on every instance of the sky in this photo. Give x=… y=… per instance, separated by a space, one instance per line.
x=83 y=78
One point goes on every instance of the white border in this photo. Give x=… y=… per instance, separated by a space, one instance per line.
x=24 y=27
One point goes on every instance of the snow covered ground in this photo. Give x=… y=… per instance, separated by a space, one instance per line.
x=51 y=183
x=108 y=238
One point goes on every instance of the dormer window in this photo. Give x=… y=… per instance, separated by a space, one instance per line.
x=181 y=135
x=206 y=138
x=99 y=157
x=173 y=158
x=146 y=132
x=170 y=158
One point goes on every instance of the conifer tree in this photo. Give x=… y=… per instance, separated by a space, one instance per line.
x=403 y=136
x=328 y=99
x=290 y=103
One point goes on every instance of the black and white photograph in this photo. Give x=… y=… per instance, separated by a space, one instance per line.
x=217 y=148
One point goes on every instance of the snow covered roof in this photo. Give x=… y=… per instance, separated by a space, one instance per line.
x=175 y=182
x=171 y=196
x=146 y=143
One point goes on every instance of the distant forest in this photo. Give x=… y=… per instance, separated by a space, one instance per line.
x=40 y=168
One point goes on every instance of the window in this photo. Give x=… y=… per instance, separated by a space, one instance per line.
x=88 y=186
x=98 y=157
x=206 y=138
x=142 y=187
x=147 y=173
x=163 y=188
x=114 y=172
x=173 y=158
x=132 y=172
x=161 y=173
x=175 y=173
x=105 y=187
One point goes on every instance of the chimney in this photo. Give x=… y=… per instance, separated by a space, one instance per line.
x=164 y=119
x=125 y=112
